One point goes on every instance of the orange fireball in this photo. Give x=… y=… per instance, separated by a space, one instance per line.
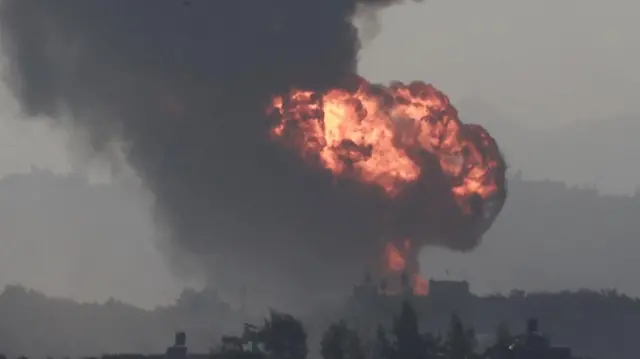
x=378 y=135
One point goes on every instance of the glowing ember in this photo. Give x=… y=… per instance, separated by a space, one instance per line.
x=394 y=259
x=380 y=135
x=420 y=285
x=396 y=262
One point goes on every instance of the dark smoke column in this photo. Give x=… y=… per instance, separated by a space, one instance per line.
x=185 y=88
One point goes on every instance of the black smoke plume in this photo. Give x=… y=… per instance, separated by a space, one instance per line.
x=184 y=85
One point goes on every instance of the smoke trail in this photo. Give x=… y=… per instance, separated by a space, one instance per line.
x=184 y=84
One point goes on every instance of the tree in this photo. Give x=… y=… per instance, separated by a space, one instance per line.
x=284 y=337
x=503 y=339
x=340 y=342
x=382 y=348
x=461 y=342
x=432 y=344
x=503 y=334
x=409 y=344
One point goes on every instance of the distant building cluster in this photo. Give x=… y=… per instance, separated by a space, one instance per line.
x=178 y=350
x=435 y=288
x=529 y=345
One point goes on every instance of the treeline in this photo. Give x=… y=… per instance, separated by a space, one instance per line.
x=31 y=324
x=37 y=326
x=283 y=336
x=598 y=323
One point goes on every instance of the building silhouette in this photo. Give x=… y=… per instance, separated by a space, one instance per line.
x=530 y=345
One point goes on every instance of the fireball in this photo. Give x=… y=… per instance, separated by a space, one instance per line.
x=376 y=135
x=407 y=141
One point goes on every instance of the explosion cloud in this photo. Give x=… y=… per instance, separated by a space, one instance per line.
x=261 y=145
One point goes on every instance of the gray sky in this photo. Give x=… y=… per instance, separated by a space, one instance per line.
x=539 y=63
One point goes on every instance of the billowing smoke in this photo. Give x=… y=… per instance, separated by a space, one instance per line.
x=186 y=86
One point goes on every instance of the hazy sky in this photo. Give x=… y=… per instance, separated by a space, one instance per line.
x=542 y=63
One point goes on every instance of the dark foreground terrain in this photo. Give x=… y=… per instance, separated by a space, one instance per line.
x=600 y=324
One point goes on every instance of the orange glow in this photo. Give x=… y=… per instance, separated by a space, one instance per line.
x=394 y=259
x=379 y=135
x=420 y=285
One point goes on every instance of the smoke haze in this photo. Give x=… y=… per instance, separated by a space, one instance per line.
x=183 y=85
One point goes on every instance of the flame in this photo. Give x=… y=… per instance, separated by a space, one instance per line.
x=420 y=285
x=377 y=134
x=391 y=137
x=394 y=259
x=395 y=262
